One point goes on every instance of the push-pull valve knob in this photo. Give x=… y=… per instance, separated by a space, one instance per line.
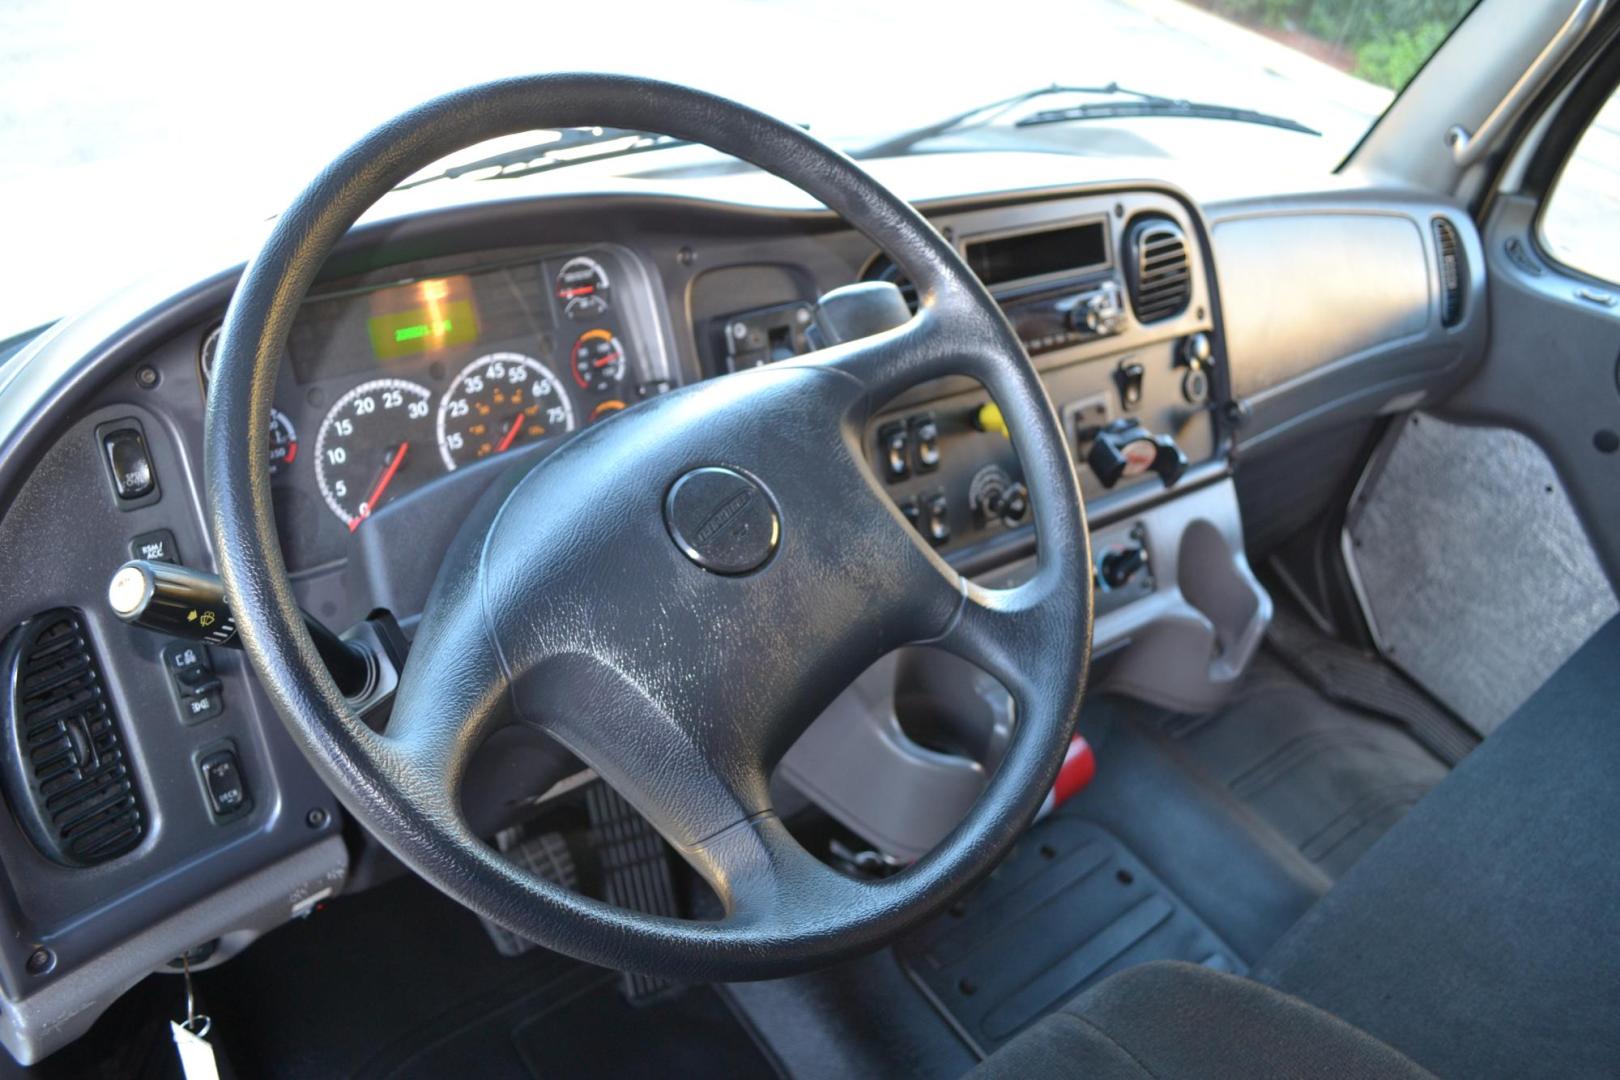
x=1116 y=568
x=1125 y=448
x=180 y=602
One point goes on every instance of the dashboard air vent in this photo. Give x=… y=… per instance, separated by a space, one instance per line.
x=1449 y=246
x=1156 y=268
x=67 y=773
x=883 y=268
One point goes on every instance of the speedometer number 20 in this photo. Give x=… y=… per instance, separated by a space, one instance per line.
x=363 y=452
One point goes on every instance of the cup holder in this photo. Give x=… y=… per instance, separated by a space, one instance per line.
x=1217 y=582
x=946 y=705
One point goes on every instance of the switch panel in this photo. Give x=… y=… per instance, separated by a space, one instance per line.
x=1126 y=419
x=198 y=691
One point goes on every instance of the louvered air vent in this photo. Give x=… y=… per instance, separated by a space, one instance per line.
x=1156 y=268
x=67 y=773
x=1451 y=271
x=883 y=268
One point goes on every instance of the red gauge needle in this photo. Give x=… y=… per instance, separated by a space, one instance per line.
x=606 y=360
x=511 y=433
x=382 y=485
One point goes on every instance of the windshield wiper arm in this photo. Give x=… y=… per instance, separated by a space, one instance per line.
x=984 y=114
x=571 y=146
x=1111 y=110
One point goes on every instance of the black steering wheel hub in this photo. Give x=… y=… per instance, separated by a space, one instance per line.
x=722 y=520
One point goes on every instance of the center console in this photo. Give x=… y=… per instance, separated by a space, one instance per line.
x=1114 y=300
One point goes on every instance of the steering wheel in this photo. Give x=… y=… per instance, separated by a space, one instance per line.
x=674 y=594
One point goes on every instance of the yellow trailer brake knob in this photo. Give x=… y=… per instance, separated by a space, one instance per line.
x=989 y=418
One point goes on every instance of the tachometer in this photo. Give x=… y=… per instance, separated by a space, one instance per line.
x=497 y=402
x=598 y=360
x=373 y=446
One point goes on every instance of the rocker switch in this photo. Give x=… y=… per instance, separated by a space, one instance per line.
x=1129 y=377
x=222 y=777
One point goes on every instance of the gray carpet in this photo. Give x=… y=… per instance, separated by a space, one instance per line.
x=1479 y=577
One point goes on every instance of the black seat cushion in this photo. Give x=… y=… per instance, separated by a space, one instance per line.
x=1168 y=1020
x=1481 y=935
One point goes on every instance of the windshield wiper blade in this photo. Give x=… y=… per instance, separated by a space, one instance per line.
x=1112 y=110
x=984 y=114
x=572 y=145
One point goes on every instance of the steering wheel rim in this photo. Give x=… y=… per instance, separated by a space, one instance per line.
x=849 y=580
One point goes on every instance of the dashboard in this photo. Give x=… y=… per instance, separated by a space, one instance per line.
x=446 y=347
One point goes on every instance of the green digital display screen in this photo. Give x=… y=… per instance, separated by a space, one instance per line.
x=424 y=317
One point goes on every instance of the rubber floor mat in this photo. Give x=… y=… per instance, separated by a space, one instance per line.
x=1071 y=905
x=1330 y=780
x=401 y=981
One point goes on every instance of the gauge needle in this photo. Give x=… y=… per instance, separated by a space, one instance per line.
x=382 y=484
x=511 y=433
x=606 y=360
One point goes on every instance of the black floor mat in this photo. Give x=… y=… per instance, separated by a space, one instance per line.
x=402 y=981
x=1068 y=907
x=1360 y=681
x=1330 y=780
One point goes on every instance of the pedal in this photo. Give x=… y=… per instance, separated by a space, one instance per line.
x=635 y=874
x=544 y=855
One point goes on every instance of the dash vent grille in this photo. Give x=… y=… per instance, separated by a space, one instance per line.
x=1449 y=246
x=1157 y=269
x=67 y=774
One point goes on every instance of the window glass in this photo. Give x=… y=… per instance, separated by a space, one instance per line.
x=1580 y=225
x=141 y=136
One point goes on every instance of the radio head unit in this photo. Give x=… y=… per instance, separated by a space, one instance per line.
x=1056 y=283
x=1034 y=255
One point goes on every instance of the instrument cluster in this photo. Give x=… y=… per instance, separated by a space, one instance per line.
x=401 y=385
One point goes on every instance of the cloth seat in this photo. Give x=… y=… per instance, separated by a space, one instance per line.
x=1169 y=1020
x=1475 y=939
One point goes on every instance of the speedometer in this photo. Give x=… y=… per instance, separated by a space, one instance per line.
x=497 y=402
x=373 y=446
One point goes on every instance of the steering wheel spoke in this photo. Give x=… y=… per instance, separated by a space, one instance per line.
x=768 y=882
x=936 y=343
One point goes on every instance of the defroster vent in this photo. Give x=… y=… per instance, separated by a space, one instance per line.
x=1157 y=268
x=1452 y=276
x=67 y=771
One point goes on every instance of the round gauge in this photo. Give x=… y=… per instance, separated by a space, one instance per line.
x=205 y=356
x=582 y=288
x=373 y=446
x=497 y=402
x=283 y=441
x=598 y=360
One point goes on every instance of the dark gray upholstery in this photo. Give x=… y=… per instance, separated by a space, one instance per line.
x=1168 y=1020
x=1478 y=937
x=1481 y=936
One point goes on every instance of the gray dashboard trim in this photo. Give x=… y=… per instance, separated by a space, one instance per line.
x=46 y=1021
x=1418 y=360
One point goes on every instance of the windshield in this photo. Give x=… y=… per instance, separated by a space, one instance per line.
x=133 y=132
